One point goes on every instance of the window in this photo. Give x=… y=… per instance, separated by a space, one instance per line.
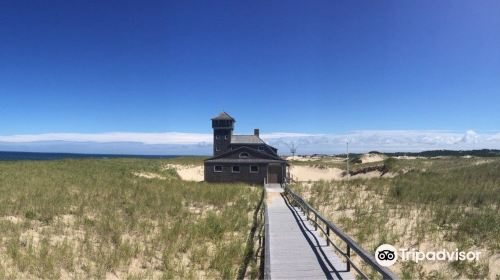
x=217 y=149
x=244 y=155
x=254 y=168
x=225 y=137
x=218 y=168
x=217 y=137
x=261 y=148
x=236 y=169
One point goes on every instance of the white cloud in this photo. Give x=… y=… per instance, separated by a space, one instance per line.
x=185 y=143
x=470 y=137
x=388 y=140
x=286 y=134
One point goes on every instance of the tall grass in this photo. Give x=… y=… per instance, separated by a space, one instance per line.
x=95 y=218
x=464 y=200
x=452 y=202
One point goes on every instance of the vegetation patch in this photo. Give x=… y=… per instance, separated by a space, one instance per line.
x=444 y=203
x=98 y=219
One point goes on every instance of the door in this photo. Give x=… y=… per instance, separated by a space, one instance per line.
x=273 y=174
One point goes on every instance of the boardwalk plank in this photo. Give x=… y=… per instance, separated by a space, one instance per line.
x=296 y=250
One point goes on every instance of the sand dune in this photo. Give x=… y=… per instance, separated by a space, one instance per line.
x=316 y=158
x=367 y=158
x=149 y=175
x=188 y=172
x=309 y=173
x=303 y=158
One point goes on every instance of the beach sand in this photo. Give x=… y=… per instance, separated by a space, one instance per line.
x=188 y=172
x=309 y=173
x=367 y=158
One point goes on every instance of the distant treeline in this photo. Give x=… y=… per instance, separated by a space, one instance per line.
x=438 y=153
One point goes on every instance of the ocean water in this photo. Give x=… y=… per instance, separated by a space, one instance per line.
x=55 y=156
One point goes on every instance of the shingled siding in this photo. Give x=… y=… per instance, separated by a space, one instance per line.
x=223 y=141
x=228 y=176
x=264 y=148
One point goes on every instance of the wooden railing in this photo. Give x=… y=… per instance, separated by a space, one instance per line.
x=267 y=252
x=256 y=232
x=328 y=228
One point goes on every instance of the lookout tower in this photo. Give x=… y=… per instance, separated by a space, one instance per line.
x=223 y=126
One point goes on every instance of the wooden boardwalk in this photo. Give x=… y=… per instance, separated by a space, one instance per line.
x=295 y=249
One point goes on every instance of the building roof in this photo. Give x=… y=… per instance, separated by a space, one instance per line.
x=261 y=155
x=223 y=116
x=246 y=139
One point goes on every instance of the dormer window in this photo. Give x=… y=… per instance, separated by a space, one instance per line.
x=244 y=155
x=261 y=148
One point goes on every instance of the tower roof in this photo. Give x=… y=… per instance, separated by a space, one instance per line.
x=224 y=116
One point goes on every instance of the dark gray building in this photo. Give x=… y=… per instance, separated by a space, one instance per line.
x=242 y=158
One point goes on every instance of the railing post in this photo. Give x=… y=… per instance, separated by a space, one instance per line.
x=348 y=253
x=315 y=222
x=327 y=235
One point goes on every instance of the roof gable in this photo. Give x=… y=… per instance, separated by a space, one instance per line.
x=253 y=154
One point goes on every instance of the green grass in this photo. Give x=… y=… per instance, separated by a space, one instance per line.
x=191 y=160
x=451 y=200
x=464 y=199
x=91 y=218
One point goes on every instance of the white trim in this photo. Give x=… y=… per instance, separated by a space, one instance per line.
x=221 y=168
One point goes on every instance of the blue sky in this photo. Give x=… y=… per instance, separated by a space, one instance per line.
x=321 y=67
